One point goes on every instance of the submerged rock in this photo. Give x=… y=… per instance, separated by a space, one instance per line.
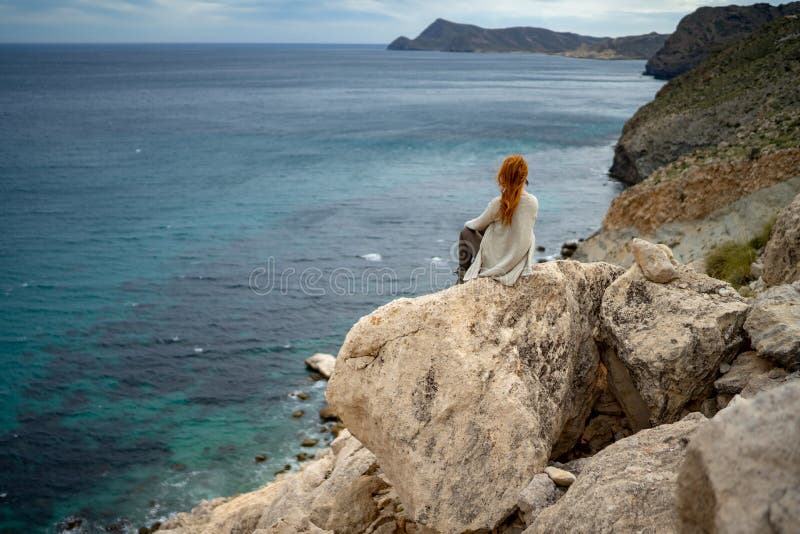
x=463 y=394
x=742 y=469
x=627 y=487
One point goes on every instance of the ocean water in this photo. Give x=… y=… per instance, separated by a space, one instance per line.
x=181 y=225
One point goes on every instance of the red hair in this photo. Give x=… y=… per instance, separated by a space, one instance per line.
x=511 y=179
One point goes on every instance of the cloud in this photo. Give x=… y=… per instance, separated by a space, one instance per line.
x=376 y=21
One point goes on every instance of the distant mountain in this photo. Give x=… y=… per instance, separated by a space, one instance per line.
x=709 y=30
x=449 y=36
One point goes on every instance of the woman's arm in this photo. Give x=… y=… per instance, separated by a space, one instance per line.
x=486 y=218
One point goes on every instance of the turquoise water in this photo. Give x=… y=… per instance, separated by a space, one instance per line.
x=145 y=189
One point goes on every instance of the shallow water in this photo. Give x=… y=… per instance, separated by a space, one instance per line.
x=145 y=189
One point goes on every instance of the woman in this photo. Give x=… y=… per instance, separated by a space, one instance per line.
x=505 y=248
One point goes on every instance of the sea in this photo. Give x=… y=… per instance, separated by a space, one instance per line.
x=182 y=225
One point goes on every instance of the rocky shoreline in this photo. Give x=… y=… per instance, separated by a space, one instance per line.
x=626 y=391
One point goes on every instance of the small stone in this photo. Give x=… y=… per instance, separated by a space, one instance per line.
x=756 y=269
x=560 y=476
x=302 y=395
x=261 y=458
x=316 y=377
x=144 y=530
x=725 y=292
x=309 y=442
x=540 y=248
x=654 y=260
x=298 y=413
x=724 y=367
x=302 y=456
x=336 y=428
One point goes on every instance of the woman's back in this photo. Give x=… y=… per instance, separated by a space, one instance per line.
x=506 y=250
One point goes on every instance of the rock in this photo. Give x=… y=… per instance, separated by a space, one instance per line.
x=461 y=408
x=745 y=368
x=774 y=325
x=309 y=442
x=537 y=495
x=742 y=468
x=302 y=395
x=302 y=456
x=298 y=413
x=654 y=261
x=756 y=269
x=559 y=476
x=665 y=342
x=261 y=458
x=627 y=487
x=322 y=363
x=331 y=493
x=540 y=248
x=602 y=430
x=327 y=414
x=782 y=253
x=724 y=367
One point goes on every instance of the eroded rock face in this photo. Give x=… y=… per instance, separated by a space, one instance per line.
x=668 y=340
x=742 y=468
x=774 y=325
x=782 y=254
x=463 y=394
x=627 y=487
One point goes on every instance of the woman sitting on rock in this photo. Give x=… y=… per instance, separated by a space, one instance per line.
x=503 y=233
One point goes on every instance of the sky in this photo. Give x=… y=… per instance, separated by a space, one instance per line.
x=320 y=21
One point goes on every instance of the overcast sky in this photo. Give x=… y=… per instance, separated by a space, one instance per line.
x=319 y=21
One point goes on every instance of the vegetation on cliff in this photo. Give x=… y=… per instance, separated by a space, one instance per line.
x=447 y=36
x=743 y=100
x=709 y=30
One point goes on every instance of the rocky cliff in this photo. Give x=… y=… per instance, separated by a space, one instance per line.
x=714 y=157
x=742 y=101
x=584 y=398
x=709 y=30
x=449 y=36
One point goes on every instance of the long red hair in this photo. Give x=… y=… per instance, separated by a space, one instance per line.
x=511 y=179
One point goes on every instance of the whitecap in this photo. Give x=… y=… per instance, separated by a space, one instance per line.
x=198 y=350
x=138 y=150
x=175 y=338
x=24 y=284
x=372 y=256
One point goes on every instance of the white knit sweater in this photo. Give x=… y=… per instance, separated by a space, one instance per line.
x=506 y=251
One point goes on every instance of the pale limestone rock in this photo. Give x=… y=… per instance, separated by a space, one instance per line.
x=742 y=469
x=559 y=476
x=746 y=367
x=666 y=341
x=774 y=325
x=462 y=394
x=654 y=261
x=627 y=487
x=330 y=493
x=537 y=495
x=322 y=363
x=782 y=253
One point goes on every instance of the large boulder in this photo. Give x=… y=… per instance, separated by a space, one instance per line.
x=463 y=394
x=782 y=254
x=742 y=469
x=666 y=341
x=774 y=325
x=627 y=487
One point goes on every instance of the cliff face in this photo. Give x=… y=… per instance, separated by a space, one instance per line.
x=449 y=36
x=745 y=98
x=709 y=30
